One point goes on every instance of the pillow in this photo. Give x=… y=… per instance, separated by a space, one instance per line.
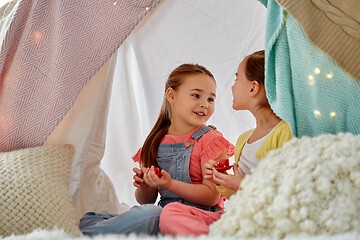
x=34 y=190
x=310 y=186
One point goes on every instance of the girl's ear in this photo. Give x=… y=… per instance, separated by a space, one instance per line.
x=255 y=88
x=170 y=95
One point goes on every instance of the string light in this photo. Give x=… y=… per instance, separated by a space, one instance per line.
x=317 y=70
x=329 y=75
x=333 y=114
x=146 y=7
x=311 y=80
x=317 y=113
x=37 y=36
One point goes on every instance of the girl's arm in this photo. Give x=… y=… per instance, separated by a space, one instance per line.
x=143 y=193
x=146 y=195
x=203 y=194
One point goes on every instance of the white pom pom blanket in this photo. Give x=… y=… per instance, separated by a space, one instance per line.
x=311 y=186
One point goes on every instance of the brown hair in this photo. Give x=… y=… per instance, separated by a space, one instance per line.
x=255 y=67
x=152 y=142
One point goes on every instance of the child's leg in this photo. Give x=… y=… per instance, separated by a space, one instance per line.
x=92 y=218
x=139 y=219
x=179 y=219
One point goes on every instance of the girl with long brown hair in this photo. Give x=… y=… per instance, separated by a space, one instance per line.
x=180 y=143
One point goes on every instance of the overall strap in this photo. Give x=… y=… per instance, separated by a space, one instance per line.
x=199 y=133
x=175 y=159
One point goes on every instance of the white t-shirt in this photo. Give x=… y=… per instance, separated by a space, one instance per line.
x=248 y=158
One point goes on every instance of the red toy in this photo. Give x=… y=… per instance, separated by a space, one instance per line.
x=157 y=172
x=223 y=165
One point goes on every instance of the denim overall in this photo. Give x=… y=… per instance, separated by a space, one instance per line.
x=144 y=219
x=175 y=159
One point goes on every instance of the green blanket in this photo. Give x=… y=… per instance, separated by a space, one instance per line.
x=303 y=85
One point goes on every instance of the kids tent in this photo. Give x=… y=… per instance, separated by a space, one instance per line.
x=91 y=74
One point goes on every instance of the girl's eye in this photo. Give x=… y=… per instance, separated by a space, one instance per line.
x=196 y=95
x=211 y=99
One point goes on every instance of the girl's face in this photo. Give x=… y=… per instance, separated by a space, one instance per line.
x=241 y=88
x=193 y=103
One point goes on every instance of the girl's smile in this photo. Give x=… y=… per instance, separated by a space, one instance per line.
x=200 y=114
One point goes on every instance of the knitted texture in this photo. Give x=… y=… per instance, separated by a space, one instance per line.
x=304 y=86
x=34 y=190
x=310 y=186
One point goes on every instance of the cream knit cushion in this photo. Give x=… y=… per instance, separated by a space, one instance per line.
x=34 y=190
x=310 y=186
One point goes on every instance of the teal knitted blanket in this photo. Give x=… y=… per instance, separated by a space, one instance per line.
x=304 y=86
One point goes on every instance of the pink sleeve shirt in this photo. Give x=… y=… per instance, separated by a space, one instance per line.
x=208 y=147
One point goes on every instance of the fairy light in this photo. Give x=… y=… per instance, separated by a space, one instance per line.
x=317 y=71
x=114 y=3
x=147 y=7
x=329 y=75
x=333 y=114
x=317 y=113
x=37 y=36
x=311 y=80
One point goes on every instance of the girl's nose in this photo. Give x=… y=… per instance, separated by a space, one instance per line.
x=204 y=104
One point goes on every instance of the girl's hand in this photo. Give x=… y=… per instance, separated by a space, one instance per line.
x=138 y=177
x=229 y=181
x=152 y=179
x=208 y=173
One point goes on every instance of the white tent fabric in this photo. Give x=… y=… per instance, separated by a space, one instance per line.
x=216 y=34
x=84 y=126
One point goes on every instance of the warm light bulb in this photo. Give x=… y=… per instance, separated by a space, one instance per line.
x=114 y=3
x=147 y=8
x=317 y=113
x=37 y=36
x=311 y=80
x=329 y=75
x=317 y=70
x=333 y=114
